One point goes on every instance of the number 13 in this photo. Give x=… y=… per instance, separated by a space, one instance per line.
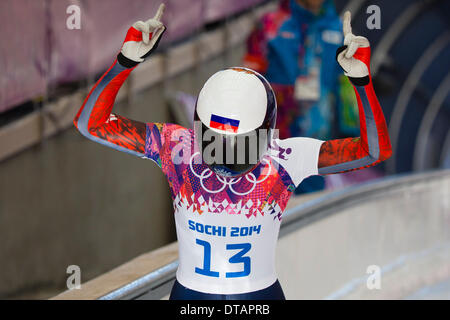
x=237 y=258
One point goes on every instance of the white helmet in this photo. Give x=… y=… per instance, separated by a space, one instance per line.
x=235 y=116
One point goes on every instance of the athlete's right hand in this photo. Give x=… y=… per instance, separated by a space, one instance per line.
x=354 y=56
x=142 y=38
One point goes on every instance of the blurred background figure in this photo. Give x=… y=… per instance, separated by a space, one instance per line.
x=294 y=48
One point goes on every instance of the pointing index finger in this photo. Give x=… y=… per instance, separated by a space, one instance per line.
x=160 y=12
x=347 y=28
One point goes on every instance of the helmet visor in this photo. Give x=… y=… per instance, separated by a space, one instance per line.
x=229 y=154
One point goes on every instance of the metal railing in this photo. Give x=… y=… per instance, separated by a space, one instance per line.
x=407 y=90
x=426 y=125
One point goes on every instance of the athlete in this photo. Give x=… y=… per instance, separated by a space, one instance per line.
x=228 y=213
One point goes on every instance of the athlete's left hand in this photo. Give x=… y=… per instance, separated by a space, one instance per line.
x=354 y=56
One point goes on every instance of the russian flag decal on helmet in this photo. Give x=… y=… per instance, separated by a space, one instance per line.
x=225 y=124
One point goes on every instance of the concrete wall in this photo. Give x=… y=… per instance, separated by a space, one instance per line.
x=404 y=229
x=70 y=201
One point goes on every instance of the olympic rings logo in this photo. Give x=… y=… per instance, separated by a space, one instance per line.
x=250 y=177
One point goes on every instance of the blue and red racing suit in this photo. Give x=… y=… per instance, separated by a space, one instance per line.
x=227 y=228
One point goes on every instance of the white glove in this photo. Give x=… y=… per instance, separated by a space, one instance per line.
x=142 y=38
x=354 y=56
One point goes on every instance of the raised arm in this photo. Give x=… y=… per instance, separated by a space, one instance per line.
x=94 y=119
x=373 y=144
